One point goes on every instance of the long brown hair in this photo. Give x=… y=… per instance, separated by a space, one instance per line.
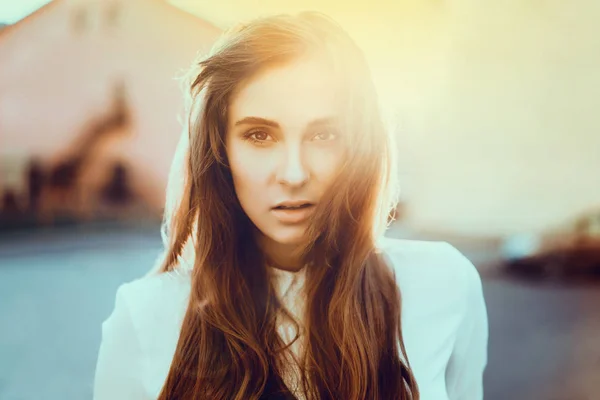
x=228 y=346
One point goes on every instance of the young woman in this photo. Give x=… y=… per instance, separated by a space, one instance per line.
x=276 y=282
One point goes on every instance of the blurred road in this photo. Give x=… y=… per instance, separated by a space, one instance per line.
x=57 y=288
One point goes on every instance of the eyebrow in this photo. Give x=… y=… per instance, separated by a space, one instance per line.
x=274 y=124
x=257 y=121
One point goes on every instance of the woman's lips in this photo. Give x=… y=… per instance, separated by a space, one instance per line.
x=293 y=215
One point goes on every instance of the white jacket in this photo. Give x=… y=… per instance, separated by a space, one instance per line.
x=444 y=324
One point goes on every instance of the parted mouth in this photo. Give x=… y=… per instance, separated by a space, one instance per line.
x=293 y=205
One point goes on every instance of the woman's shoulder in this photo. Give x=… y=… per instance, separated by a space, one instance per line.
x=156 y=284
x=140 y=336
x=432 y=273
x=156 y=294
x=421 y=256
x=444 y=317
x=156 y=304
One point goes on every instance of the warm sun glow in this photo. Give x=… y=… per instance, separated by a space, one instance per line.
x=392 y=34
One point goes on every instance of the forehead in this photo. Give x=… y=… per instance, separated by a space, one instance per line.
x=292 y=94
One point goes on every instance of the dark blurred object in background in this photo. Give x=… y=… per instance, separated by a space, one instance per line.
x=58 y=190
x=66 y=192
x=35 y=183
x=11 y=213
x=10 y=205
x=563 y=252
x=117 y=191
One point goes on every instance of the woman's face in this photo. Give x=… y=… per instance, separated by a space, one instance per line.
x=283 y=146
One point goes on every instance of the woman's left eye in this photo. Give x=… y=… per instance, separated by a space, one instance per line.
x=324 y=136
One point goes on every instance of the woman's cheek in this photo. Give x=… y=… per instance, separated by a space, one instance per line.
x=325 y=162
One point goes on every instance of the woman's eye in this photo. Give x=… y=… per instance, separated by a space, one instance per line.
x=258 y=136
x=324 y=136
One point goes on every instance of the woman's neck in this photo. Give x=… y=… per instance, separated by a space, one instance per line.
x=280 y=256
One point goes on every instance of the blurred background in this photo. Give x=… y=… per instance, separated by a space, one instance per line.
x=494 y=108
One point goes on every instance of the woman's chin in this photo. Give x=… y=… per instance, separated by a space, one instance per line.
x=288 y=235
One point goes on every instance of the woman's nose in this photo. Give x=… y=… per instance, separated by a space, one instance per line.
x=292 y=170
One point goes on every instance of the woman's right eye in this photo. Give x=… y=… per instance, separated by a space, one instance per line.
x=258 y=137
